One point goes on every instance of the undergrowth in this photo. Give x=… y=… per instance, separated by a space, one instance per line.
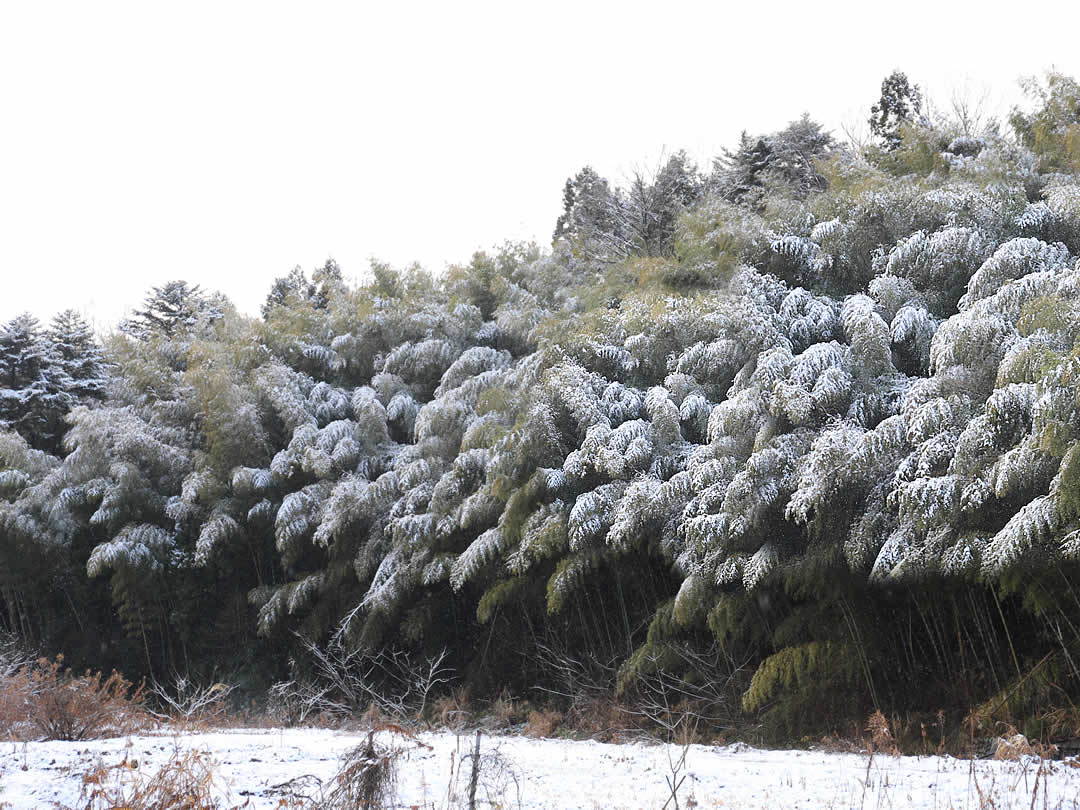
x=48 y=700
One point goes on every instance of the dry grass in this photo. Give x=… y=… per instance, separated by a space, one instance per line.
x=1012 y=747
x=881 y=737
x=46 y=699
x=185 y=782
x=452 y=711
x=367 y=778
x=543 y=723
x=835 y=744
x=599 y=716
x=504 y=710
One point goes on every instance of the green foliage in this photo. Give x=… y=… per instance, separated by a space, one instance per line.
x=1069 y=486
x=792 y=669
x=502 y=593
x=1032 y=702
x=713 y=240
x=898 y=105
x=818 y=411
x=912 y=149
x=783 y=163
x=654 y=655
x=1052 y=129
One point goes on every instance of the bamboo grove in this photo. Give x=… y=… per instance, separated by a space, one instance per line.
x=809 y=422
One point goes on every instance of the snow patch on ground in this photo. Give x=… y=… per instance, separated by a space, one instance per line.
x=253 y=765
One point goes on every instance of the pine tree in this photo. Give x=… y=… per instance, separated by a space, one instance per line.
x=79 y=356
x=289 y=289
x=37 y=391
x=170 y=309
x=899 y=104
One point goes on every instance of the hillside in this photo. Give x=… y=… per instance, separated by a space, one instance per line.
x=778 y=444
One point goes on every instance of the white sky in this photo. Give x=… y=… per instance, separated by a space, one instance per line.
x=224 y=143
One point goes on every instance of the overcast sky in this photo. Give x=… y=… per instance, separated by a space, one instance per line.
x=225 y=143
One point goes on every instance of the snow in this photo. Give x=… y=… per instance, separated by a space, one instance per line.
x=252 y=766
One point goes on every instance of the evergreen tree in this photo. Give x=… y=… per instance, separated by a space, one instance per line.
x=591 y=218
x=174 y=307
x=79 y=356
x=294 y=286
x=36 y=389
x=899 y=104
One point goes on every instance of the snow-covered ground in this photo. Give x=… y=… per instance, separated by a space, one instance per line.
x=254 y=766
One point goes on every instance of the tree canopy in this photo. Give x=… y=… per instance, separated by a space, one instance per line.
x=818 y=410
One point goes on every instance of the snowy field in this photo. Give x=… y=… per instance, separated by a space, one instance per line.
x=259 y=769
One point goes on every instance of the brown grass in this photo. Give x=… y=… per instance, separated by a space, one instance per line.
x=50 y=701
x=366 y=778
x=504 y=710
x=185 y=782
x=452 y=711
x=881 y=738
x=1013 y=745
x=543 y=723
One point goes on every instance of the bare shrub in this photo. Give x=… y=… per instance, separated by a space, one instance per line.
x=65 y=706
x=190 y=704
x=497 y=781
x=585 y=685
x=609 y=704
x=709 y=696
x=573 y=677
x=881 y=737
x=366 y=778
x=388 y=685
x=186 y=782
x=488 y=779
x=14 y=655
x=15 y=664
x=452 y=710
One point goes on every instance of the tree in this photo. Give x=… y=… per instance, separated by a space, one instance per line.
x=786 y=158
x=79 y=356
x=899 y=104
x=36 y=390
x=609 y=225
x=794 y=152
x=832 y=459
x=652 y=205
x=174 y=307
x=285 y=289
x=739 y=173
x=1052 y=129
x=590 y=219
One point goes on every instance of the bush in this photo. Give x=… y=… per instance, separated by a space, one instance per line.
x=185 y=782
x=59 y=705
x=191 y=705
x=452 y=710
x=543 y=723
x=367 y=778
